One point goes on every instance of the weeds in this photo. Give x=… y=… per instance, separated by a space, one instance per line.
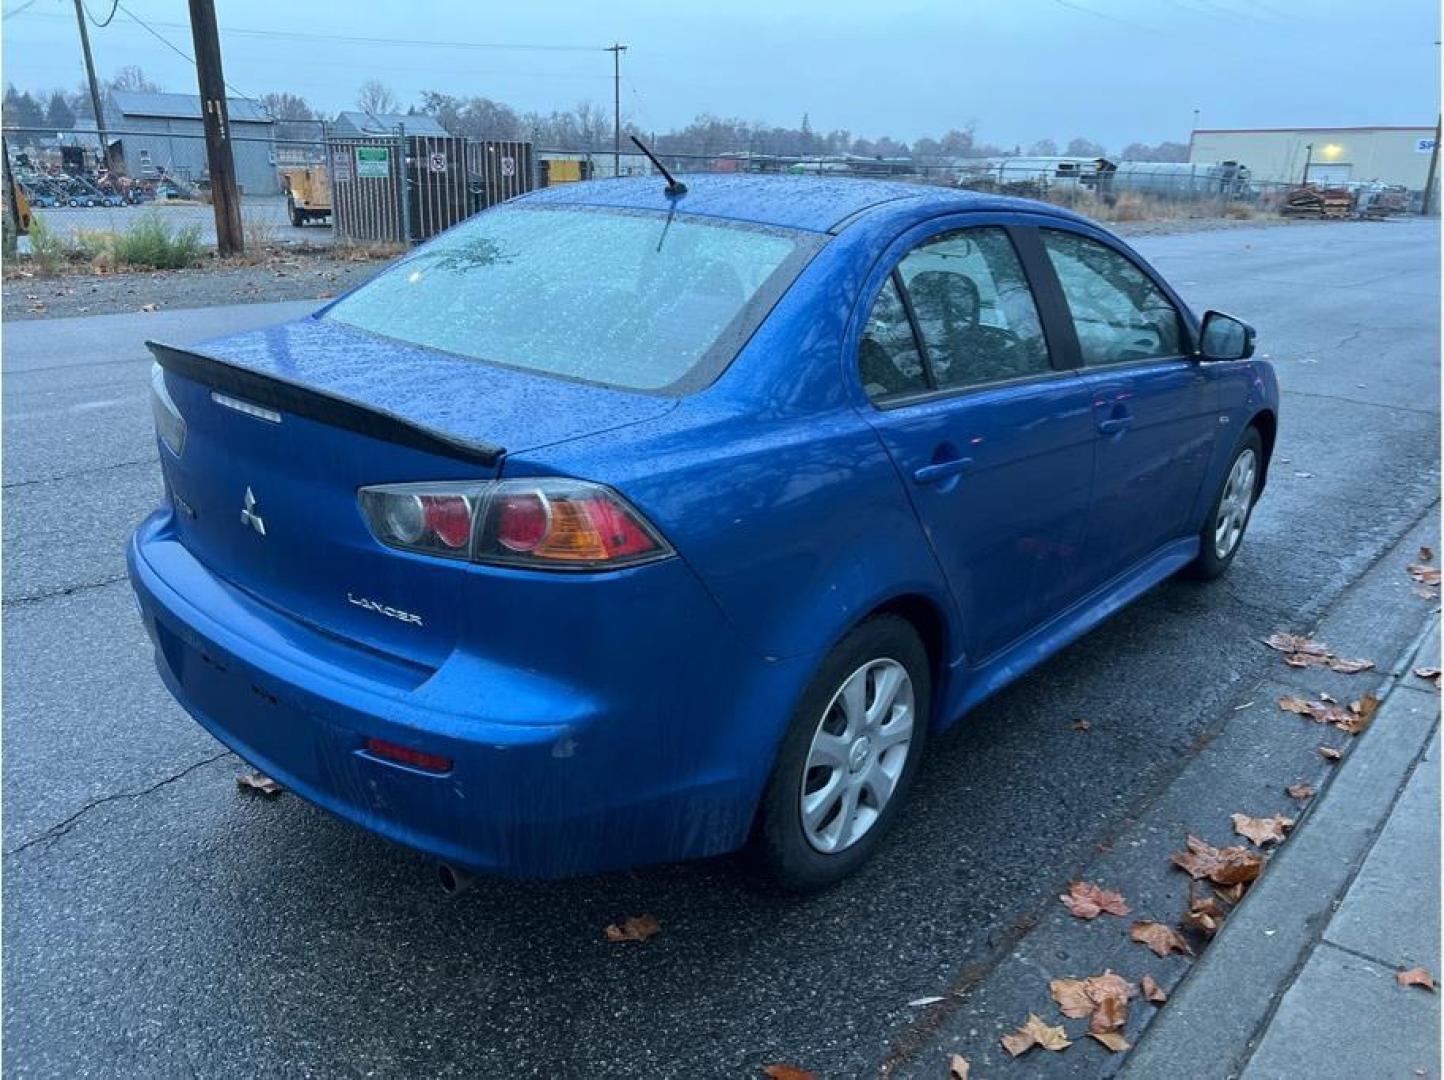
x=48 y=249
x=151 y=242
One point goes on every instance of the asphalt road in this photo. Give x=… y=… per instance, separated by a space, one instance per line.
x=263 y=215
x=157 y=923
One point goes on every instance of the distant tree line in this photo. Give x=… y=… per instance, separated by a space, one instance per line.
x=584 y=127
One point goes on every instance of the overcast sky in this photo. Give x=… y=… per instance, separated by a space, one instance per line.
x=1111 y=70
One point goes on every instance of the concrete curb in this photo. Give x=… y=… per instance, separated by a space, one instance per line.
x=1214 y=1021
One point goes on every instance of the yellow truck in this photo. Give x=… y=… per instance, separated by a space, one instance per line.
x=308 y=193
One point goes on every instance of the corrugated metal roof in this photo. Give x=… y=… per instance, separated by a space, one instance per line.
x=183 y=106
x=387 y=123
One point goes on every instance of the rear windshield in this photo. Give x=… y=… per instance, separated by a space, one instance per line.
x=625 y=299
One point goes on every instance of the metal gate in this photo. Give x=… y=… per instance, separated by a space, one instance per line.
x=366 y=175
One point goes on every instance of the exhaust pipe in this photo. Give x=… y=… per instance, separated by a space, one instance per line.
x=454 y=880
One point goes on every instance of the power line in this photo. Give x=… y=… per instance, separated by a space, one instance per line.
x=1104 y=15
x=20 y=8
x=102 y=25
x=175 y=48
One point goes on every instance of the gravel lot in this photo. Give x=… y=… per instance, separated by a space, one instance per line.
x=318 y=275
x=157 y=923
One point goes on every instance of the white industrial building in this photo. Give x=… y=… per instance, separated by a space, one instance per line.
x=1327 y=156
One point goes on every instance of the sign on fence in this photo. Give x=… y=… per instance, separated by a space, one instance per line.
x=438 y=162
x=373 y=161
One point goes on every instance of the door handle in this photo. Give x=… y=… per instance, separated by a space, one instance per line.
x=931 y=474
x=1115 y=424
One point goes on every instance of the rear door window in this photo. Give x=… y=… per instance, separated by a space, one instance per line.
x=888 y=360
x=974 y=309
x=1119 y=313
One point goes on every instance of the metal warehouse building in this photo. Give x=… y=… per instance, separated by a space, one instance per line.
x=164 y=132
x=1390 y=155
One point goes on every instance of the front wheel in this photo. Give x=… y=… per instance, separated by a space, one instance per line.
x=1224 y=527
x=848 y=757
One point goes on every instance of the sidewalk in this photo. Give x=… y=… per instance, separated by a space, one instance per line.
x=1301 y=981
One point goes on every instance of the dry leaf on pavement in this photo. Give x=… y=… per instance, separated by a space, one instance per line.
x=1361 y=713
x=1424 y=575
x=1204 y=915
x=1223 y=866
x=1072 y=998
x=1295 y=643
x=1301 y=792
x=1426 y=554
x=1416 y=977
x=1111 y=1039
x=1429 y=673
x=788 y=1072
x=1080 y=725
x=1349 y=667
x=1152 y=991
x=1302 y=652
x=1087 y=901
x=1268 y=830
x=1232 y=894
x=1035 y=1033
x=1328 y=753
x=259 y=783
x=1103 y=998
x=1326 y=710
x=1161 y=939
x=637 y=928
x=958 y=1067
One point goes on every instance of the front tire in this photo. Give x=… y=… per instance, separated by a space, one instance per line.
x=1228 y=516
x=848 y=758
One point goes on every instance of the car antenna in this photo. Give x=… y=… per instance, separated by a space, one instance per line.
x=674 y=186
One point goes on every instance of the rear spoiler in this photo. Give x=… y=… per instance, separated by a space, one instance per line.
x=284 y=396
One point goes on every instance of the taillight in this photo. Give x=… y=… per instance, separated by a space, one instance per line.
x=546 y=523
x=169 y=424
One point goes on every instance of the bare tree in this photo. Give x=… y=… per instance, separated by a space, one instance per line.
x=1081 y=147
x=1044 y=148
x=132 y=77
x=376 y=99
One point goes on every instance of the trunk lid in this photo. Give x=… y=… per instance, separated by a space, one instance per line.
x=285 y=424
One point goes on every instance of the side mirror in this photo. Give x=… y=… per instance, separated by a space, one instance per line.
x=1225 y=338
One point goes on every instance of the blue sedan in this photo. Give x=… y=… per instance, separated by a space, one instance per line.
x=620 y=524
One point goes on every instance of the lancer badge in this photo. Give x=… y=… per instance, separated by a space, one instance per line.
x=249 y=516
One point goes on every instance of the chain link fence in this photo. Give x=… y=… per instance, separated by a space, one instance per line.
x=310 y=183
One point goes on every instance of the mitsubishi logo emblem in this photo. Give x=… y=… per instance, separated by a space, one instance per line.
x=249 y=515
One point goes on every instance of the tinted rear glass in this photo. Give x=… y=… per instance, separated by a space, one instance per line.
x=625 y=299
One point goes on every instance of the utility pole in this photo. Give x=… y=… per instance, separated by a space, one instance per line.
x=224 y=197
x=94 y=87
x=1433 y=171
x=616 y=50
x=1308 y=160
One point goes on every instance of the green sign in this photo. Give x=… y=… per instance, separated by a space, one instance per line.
x=373 y=161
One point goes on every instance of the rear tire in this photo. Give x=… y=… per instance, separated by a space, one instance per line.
x=1232 y=507
x=844 y=767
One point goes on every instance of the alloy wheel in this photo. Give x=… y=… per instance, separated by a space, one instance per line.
x=857 y=755
x=1234 y=506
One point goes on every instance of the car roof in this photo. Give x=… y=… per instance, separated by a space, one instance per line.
x=813 y=203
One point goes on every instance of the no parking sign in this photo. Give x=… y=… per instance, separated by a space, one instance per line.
x=508 y=166
x=438 y=161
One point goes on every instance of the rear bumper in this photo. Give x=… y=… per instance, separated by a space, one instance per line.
x=550 y=779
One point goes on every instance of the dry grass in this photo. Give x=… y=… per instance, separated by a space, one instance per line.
x=1136 y=206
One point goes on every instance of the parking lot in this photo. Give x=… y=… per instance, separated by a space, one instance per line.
x=160 y=923
x=262 y=216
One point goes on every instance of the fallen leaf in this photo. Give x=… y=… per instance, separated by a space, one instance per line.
x=1080 y=725
x=917 y=1003
x=1424 y=575
x=1354 y=719
x=259 y=783
x=1299 y=705
x=1361 y=712
x=1152 y=991
x=1223 y=866
x=1349 y=667
x=1231 y=893
x=1426 y=554
x=788 y=1072
x=1427 y=594
x=1295 y=643
x=1087 y=901
x=637 y=928
x=1111 y=1039
x=1328 y=753
x=1035 y=1033
x=1416 y=977
x=1204 y=915
x=149 y=307
x=1160 y=938
x=1072 y=997
x=1269 y=830
x=958 y=1067
x=1301 y=792
x=1429 y=674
